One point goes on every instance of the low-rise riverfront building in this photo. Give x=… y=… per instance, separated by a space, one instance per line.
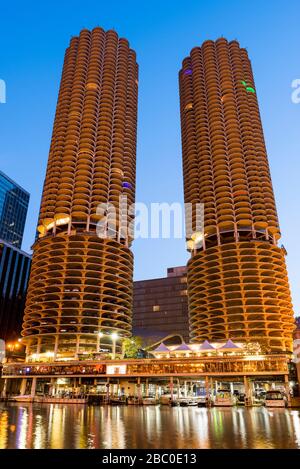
x=173 y=371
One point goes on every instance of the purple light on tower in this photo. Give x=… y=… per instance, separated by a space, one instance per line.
x=126 y=185
x=188 y=71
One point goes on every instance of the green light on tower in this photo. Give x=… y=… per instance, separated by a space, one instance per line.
x=249 y=89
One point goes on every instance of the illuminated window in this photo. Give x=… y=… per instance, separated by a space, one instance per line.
x=156 y=308
x=183 y=292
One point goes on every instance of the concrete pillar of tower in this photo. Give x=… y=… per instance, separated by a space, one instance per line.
x=216 y=386
x=107 y=390
x=97 y=343
x=185 y=388
x=55 y=347
x=38 y=346
x=211 y=386
x=171 y=388
x=156 y=391
x=4 y=389
x=147 y=387
x=139 y=388
x=248 y=392
x=178 y=389
x=33 y=387
x=23 y=386
x=52 y=387
x=207 y=390
x=231 y=388
x=287 y=389
x=77 y=345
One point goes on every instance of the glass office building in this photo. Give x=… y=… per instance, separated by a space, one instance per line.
x=13 y=210
x=14 y=274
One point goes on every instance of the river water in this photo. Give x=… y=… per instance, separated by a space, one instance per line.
x=78 y=426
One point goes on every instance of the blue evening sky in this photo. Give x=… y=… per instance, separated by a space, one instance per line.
x=33 y=38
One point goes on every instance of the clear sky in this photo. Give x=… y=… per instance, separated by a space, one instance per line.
x=33 y=38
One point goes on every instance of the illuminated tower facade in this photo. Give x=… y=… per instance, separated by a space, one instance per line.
x=237 y=280
x=80 y=290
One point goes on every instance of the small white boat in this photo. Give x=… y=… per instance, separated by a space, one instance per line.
x=275 y=399
x=149 y=400
x=25 y=398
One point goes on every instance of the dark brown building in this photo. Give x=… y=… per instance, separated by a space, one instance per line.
x=160 y=306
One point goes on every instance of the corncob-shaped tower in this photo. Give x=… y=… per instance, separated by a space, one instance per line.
x=80 y=289
x=237 y=280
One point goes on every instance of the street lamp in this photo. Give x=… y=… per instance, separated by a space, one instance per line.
x=114 y=337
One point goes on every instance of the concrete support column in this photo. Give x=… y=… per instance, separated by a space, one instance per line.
x=3 y=393
x=139 y=388
x=38 y=346
x=171 y=388
x=55 y=347
x=97 y=343
x=23 y=386
x=147 y=387
x=248 y=392
x=207 y=391
x=107 y=390
x=52 y=387
x=178 y=389
x=185 y=389
x=211 y=386
x=216 y=386
x=77 y=345
x=33 y=387
x=287 y=389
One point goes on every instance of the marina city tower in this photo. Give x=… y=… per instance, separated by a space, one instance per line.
x=80 y=290
x=237 y=280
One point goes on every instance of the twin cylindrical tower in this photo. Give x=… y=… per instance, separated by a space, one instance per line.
x=80 y=291
x=237 y=280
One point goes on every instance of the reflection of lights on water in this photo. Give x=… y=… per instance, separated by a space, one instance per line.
x=61 y=426
x=22 y=425
x=57 y=426
x=39 y=433
x=296 y=422
x=114 y=428
x=202 y=428
x=241 y=425
x=3 y=429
